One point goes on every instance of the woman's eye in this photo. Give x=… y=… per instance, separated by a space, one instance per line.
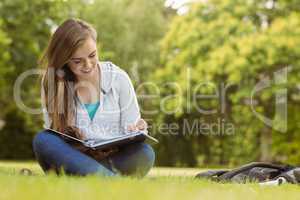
x=92 y=56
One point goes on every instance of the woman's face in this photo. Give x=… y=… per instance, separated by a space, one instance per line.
x=83 y=62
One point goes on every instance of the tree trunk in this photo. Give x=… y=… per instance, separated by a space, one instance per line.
x=265 y=145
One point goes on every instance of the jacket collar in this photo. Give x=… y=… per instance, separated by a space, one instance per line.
x=106 y=76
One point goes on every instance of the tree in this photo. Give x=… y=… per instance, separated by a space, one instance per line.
x=24 y=31
x=231 y=46
x=4 y=58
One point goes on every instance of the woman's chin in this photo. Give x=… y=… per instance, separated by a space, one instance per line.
x=89 y=75
x=85 y=77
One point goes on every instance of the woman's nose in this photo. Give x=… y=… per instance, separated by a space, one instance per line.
x=87 y=63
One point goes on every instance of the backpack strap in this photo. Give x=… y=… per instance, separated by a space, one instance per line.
x=211 y=174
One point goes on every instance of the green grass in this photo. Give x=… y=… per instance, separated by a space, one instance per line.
x=161 y=183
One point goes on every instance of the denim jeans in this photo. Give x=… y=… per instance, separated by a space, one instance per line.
x=53 y=153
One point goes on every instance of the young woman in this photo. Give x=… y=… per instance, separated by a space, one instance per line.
x=92 y=99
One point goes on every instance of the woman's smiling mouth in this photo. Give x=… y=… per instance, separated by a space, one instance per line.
x=87 y=71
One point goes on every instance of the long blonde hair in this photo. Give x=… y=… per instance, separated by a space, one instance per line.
x=58 y=80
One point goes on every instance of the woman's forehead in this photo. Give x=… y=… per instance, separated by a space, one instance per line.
x=89 y=46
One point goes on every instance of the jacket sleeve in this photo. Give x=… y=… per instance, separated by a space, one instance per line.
x=129 y=108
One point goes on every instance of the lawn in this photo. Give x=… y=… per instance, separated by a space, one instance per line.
x=161 y=183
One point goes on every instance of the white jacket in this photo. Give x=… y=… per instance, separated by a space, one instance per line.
x=118 y=106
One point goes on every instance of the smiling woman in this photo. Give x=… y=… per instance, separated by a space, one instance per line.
x=94 y=99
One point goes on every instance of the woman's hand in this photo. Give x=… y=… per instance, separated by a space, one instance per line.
x=140 y=125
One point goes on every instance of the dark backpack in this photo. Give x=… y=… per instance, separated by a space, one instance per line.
x=254 y=172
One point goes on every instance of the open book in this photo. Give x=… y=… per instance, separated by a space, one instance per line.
x=98 y=144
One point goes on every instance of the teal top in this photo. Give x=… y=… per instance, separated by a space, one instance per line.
x=91 y=108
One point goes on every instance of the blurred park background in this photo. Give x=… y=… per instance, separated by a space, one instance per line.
x=229 y=45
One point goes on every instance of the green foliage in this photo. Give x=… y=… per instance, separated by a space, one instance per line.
x=16 y=135
x=235 y=44
x=128 y=33
x=4 y=58
x=27 y=26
